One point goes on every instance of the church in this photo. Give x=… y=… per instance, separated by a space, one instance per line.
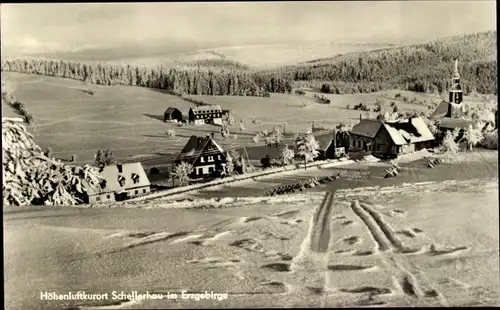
x=446 y=114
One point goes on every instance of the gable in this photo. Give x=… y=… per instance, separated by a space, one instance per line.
x=197 y=146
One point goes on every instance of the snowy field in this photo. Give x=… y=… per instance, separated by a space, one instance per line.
x=420 y=244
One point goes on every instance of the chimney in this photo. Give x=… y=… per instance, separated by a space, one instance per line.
x=120 y=168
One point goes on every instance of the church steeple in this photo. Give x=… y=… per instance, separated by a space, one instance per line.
x=455 y=74
x=456 y=94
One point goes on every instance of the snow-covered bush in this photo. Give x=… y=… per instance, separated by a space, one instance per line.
x=490 y=140
x=170 y=133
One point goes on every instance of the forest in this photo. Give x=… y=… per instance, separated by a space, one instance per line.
x=419 y=67
x=423 y=67
x=212 y=80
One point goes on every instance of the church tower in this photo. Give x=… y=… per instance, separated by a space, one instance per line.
x=456 y=94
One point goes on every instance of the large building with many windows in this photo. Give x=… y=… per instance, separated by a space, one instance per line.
x=206 y=114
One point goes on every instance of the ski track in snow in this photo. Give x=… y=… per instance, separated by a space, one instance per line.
x=409 y=280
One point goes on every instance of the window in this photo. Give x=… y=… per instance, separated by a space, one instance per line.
x=210 y=158
x=121 y=180
x=108 y=196
x=200 y=171
x=135 y=178
x=218 y=157
x=202 y=160
x=144 y=191
x=98 y=198
x=136 y=192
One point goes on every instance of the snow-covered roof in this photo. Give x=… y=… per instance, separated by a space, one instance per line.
x=129 y=172
x=412 y=130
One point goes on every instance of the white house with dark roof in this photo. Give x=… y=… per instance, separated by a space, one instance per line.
x=120 y=182
x=206 y=156
x=206 y=114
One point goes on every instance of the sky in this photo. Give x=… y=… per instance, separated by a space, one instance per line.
x=32 y=28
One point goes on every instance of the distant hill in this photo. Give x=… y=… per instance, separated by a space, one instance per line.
x=423 y=67
x=268 y=56
x=172 y=54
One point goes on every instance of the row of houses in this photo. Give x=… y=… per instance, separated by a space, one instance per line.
x=383 y=139
x=390 y=139
x=203 y=114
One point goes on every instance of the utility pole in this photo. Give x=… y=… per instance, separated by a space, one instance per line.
x=246 y=155
x=172 y=174
x=334 y=142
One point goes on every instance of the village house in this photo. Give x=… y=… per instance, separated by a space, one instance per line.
x=402 y=137
x=206 y=114
x=204 y=154
x=172 y=114
x=332 y=146
x=120 y=182
x=362 y=135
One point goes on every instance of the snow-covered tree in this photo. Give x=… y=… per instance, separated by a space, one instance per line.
x=104 y=158
x=287 y=156
x=224 y=131
x=307 y=147
x=229 y=165
x=256 y=138
x=472 y=136
x=182 y=171
x=449 y=147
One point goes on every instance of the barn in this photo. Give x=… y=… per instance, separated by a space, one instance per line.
x=401 y=137
x=206 y=114
x=172 y=114
x=120 y=182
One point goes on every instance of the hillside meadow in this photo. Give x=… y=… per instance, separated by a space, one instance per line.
x=128 y=120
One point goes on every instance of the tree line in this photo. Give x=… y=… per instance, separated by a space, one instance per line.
x=420 y=67
x=182 y=80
